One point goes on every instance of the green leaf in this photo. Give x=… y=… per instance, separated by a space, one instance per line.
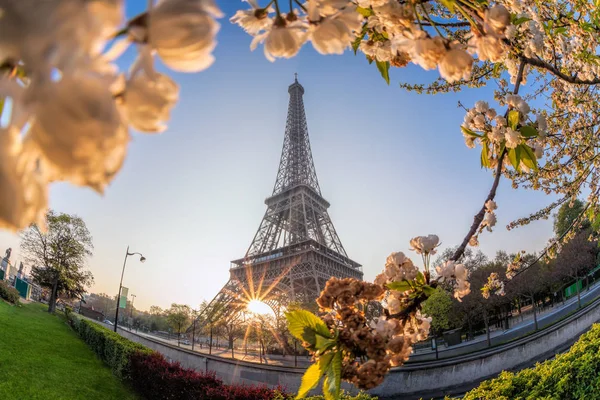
x=333 y=378
x=365 y=12
x=310 y=379
x=513 y=119
x=513 y=156
x=485 y=158
x=428 y=290
x=449 y=4
x=304 y=325
x=401 y=286
x=521 y=20
x=322 y=343
x=528 y=157
x=528 y=131
x=420 y=278
x=467 y=131
x=384 y=70
x=356 y=43
x=370 y=60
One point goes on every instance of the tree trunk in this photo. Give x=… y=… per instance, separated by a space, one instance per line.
x=487 y=328
x=53 y=296
x=535 y=314
x=578 y=292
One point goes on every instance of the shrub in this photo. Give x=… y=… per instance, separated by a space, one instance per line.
x=152 y=376
x=111 y=347
x=8 y=293
x=572 y=375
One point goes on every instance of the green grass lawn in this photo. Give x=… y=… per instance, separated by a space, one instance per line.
x=42 y=358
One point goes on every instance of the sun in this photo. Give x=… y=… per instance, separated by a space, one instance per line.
x=258 y=307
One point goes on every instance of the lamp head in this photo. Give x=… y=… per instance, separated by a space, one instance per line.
x=142 y=258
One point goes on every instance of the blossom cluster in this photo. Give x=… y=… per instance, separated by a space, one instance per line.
x=68 y=108
x=372 y=347
x=499 y=134
x=386 y=31
x=451 y=271
x=494 y=285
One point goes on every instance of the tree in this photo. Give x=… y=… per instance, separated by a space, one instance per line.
x=179 y=318
x=439 y=307
x=566 y=216
x=59 y=255
x=577 y=257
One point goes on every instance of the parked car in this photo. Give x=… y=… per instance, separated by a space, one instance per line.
x=108 y=322
x=185 y=341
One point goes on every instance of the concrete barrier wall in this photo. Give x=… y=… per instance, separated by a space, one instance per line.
x=412 y=381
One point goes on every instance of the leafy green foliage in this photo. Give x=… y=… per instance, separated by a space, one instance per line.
x=59 y=255
x=439 y=307
x=8 y=293
x=513 y=119
x=111 y=347
x=384 y=70
x=573 y=375
x=306 y=326
x=566 y=215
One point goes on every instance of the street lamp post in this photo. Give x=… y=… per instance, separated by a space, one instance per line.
x=142 y=259
x=194 y=313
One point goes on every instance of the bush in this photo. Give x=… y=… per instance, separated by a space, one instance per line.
x=111 y=347
x=8 y=293
x=154 y=377
x=572 y=375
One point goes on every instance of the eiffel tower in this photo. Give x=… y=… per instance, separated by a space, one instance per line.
x=296 y=248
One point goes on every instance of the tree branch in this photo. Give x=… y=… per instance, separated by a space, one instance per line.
x=479 y=216
x=536 y=62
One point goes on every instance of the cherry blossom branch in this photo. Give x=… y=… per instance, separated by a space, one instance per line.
x=536 y=62
x=492 y=194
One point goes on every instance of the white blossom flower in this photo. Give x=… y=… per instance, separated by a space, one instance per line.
x=456 y=64
x=398 y=267
x=497 y=134
x=470 y=141
x=474 y=241
x=446 y=270
x=490 y=205
x=513 y=138
x=462 y=288
x=487 y=48
x=423 y=50
x=183 y=33
x=254 y=20
x=496 y=19
x=148 y=98
x=79 y=130
x=482 y=106
x=542 y=125
x=332 y=35
x=489 y=221
x=500 y=120
x=491 y=113
x=24 y=195
x=425 y=244
x=283 y=40
x=393 y=305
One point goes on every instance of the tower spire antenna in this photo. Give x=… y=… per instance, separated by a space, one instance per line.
x=296 y=77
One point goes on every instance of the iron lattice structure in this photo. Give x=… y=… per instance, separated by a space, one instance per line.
x=296 y=248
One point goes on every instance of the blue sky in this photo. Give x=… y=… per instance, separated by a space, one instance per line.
x=392 y=164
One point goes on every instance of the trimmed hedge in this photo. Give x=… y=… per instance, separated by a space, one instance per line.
x=572 y=375
x=8 y=293
x=112 y=348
